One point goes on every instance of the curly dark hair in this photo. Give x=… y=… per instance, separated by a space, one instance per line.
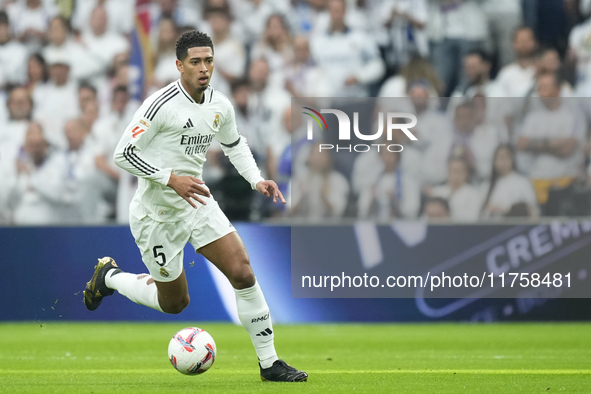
x=190 y=39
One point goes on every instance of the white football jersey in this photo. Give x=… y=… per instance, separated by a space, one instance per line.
x=170 y=132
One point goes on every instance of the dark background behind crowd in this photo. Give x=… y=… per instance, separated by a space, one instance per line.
x=512 y=140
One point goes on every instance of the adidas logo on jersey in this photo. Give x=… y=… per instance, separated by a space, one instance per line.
x=189 y=124
x=265 y=333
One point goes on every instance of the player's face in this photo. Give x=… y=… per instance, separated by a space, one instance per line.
x=197 y=68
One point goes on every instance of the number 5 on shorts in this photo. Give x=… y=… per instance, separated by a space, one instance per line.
x=161 y=254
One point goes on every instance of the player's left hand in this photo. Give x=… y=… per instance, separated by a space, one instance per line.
x=270 y=188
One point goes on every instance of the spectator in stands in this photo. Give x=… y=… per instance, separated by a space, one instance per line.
x=548 y=62
x=304 y=15
x=84 y=65
x=115 y=187
x=13 y=56
x=291 y=162
x=106 y=133
x=517 y=78
x=435 y=134
x=276 y=46
x=57 y=101
x=37 y=73
x=120 y=15
x=355 y=17
x=12 y=135
x=503 y=17
x=405 y=22
x=417 y=69
x=87 y=94
x=369 y=166
x=254 y=15
x=464 y=199
x=240 y=94
x=230 y=55
x=181 y=15
x=477 y=68
x=436 y=209
x=580 y=53
x=121 y=73
x=78 y=161
x=485 y=138
x=103 y=45
x=303 y=77
x=320 y=191
x=30 y=22
x=349 y=58
x=507 y=187
x=88 y=115
x=217 y=166
x=165 y=70
x=38 y=198
x=7 y=180
x=266 y=103
x=455 y=27
x=552 y=137
x=477 y=71
x=217 y=4
x=464 y=123
x=394 y=195
x=20 y=107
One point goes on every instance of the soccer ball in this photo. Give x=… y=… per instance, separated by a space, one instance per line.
x=192 y=351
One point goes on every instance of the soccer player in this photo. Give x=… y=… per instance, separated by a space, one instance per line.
x=165 y=147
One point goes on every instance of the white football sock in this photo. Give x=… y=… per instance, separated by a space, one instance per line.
x=141 y=289
x=253 y=312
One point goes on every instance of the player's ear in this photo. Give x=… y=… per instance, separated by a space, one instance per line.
x=179 y=65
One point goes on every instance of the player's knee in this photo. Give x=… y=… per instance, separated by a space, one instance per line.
x=242 y=275
x=177 y=306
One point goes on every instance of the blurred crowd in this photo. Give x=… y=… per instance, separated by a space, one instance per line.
x=511 y=140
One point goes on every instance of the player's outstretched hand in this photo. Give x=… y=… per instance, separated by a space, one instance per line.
x=189 y=187
x=270 y=188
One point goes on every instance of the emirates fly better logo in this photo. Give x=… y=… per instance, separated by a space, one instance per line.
x=345 y=129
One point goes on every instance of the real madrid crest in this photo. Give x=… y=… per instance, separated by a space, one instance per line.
x=164 y=273
x=216 y=122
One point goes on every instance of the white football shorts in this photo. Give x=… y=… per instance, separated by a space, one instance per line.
x=162 y=243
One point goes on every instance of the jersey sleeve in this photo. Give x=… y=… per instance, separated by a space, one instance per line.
x=130 y=152
x=236 y=149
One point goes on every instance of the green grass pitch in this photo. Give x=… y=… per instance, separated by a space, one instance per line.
x=340 y=358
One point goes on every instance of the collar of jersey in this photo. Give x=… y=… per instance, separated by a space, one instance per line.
x=207 y=95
